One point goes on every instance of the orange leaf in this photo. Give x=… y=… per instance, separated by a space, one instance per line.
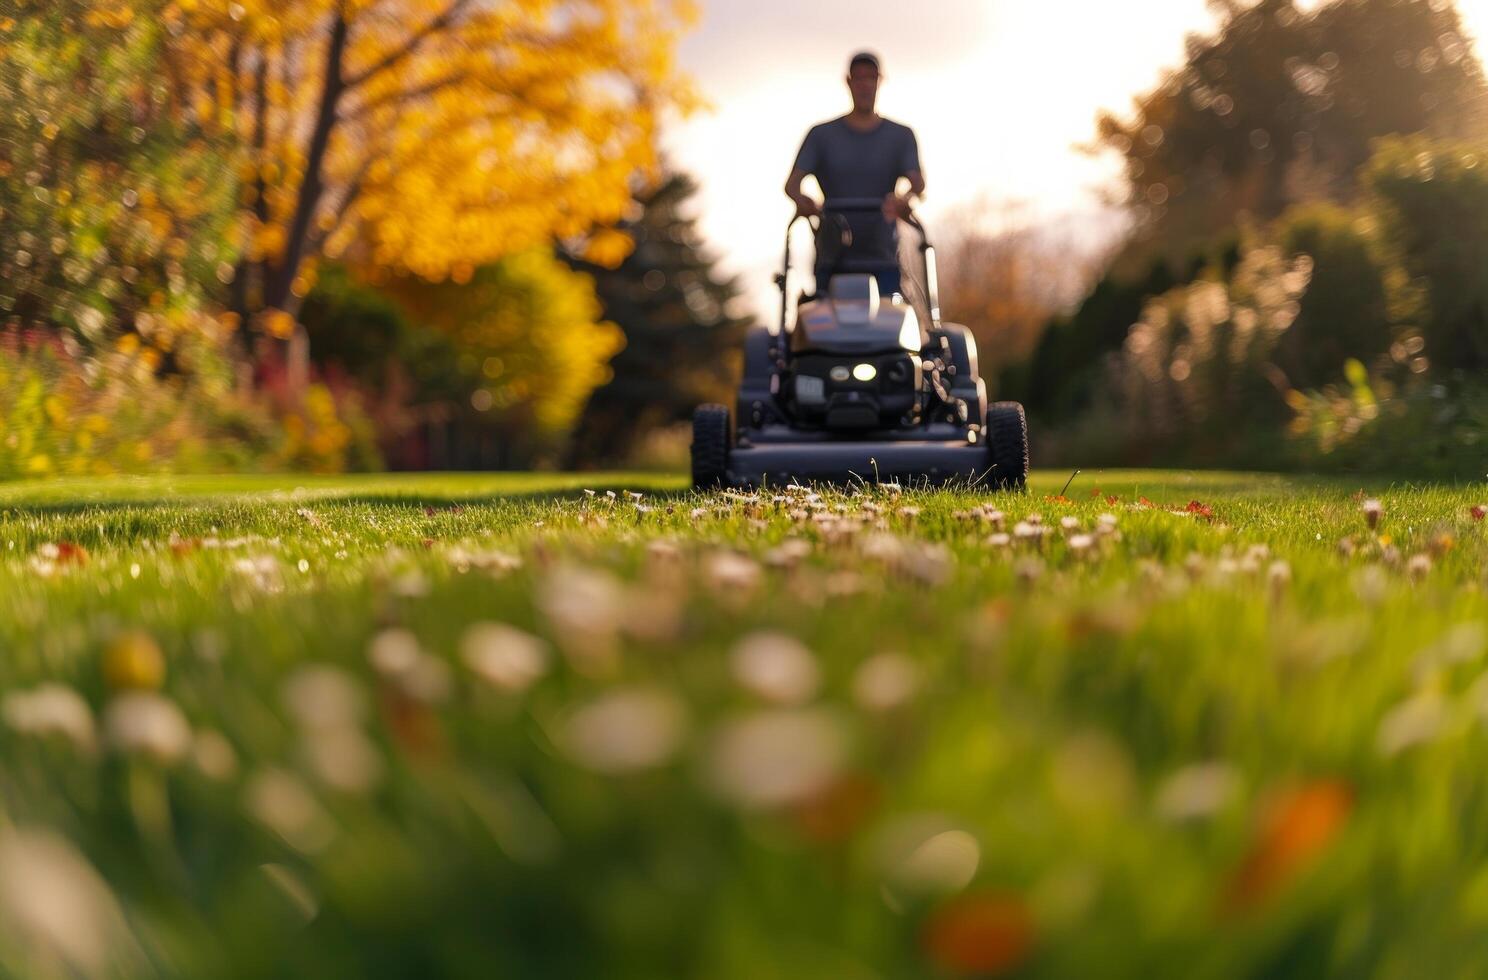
x=979 y=934
x=836 y=812
x=70 y=553
x=1295 y=829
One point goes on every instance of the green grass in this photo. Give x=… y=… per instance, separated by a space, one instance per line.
x=1211 y=742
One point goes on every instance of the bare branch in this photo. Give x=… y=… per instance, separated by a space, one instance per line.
x=401 y=98
x=411 y=46
x=319 y=234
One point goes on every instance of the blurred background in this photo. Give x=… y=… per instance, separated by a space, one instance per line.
x=448 y=234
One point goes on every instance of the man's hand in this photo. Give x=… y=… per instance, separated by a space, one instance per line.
x=806 y=206
x=896 y=208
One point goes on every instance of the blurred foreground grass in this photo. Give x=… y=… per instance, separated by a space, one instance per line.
x=1177 y=724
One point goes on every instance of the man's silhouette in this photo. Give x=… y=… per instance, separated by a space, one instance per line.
x=861 y=155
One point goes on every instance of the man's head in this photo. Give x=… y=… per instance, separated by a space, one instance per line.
x=863 y=76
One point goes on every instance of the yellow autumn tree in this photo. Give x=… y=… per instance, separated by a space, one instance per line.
x=531 y=338
x=423 y=137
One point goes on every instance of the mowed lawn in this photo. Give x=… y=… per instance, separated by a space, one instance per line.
x=1167 y=724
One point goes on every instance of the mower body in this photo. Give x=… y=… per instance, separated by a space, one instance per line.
x=861 y=387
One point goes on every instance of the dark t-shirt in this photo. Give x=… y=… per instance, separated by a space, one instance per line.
x=847 y=162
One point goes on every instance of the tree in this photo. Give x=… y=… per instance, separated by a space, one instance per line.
x=1004 y=277
x=1356 y=303
x=427 y=137
x=1193 y=375
x=1281 y=106
x=681 y=342
x=116 y=214
x=530 y=345
x=1432 y=205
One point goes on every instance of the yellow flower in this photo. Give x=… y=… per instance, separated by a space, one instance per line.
x=56 y=410
x=134 y=660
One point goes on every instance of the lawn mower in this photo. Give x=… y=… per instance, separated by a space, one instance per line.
x=857 y=386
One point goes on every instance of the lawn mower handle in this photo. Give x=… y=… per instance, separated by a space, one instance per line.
x=836 y=206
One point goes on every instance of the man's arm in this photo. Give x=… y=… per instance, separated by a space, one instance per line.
x=895 y=206
x=805 y=205
x=807 y=161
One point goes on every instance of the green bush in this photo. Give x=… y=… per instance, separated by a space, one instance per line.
x=1194 y=382
x=1432 y=204
x=1370 y=424
x=1355 y=304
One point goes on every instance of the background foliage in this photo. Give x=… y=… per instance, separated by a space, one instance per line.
x=1351 y=134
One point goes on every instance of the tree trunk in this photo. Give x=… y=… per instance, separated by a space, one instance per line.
x=274 y=280
x=281 y=278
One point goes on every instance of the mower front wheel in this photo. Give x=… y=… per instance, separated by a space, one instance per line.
x=1007 y=437
x=710 y=447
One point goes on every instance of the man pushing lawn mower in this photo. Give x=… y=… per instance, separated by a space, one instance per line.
x=860 y=383
x=862 y=155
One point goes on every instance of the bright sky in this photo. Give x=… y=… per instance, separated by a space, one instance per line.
x=1000 y=93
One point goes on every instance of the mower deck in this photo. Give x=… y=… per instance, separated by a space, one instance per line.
x=846 y=462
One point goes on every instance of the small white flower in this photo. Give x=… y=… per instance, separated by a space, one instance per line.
x=627 y=730
x=789 y=553
x=1028 y=531
x=1411 y=723
x=776 y=758
x=1028 y=570
x=1069 y=523
x=776 y=667
x=885 y=682
x=943 y=864
x=48 y=710
x=411 y=584
x=427 y=681
x=262 y=572
x=1081 y=543
x=503 y=656
x=147 y=724
x=58 y=913
x=282 y=802
x=1279 y=576
x=214 y=755
x=1196 y=791
x=343 y=759
x=319 y=696
x=728 y=571
x=394 y=651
